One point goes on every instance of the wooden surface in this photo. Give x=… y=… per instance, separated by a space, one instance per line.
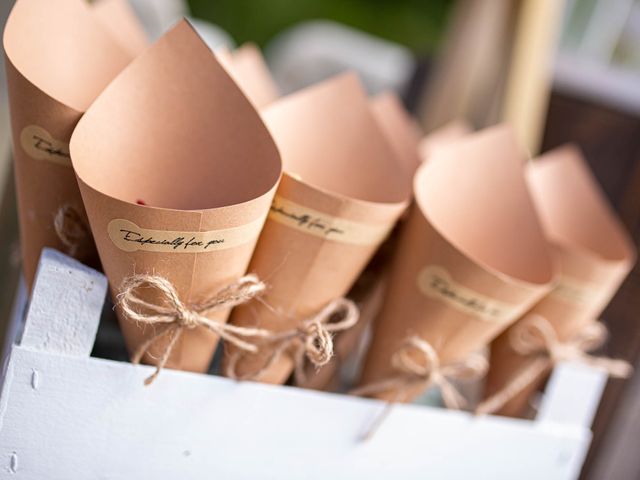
x=611 y=142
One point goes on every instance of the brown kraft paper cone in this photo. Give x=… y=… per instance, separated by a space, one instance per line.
x=592 y=249
x=248 y=68
x=58 y=59
x=442 y=136
x=403 y=135
x=400 y=129
x=470 y=260
x=177 y=172
x=392 y=117
x=119 y=19
x=340 y=195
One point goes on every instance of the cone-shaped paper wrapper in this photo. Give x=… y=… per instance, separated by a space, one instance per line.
x=402 y=132
x=403 y=135
x=340 y=195
x=471 y=259
x=174 y=132
x=442 y=136
x=248 y=68
x=592 y=249
x=58 y=59
x=119 y=19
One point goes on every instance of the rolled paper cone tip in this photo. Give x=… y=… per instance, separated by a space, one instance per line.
x=401 y=130
x=181 y=137
x=248 y=67
x=326 y=212
x=120 y=20
x=486 y=259
x=58 y=59
x=441 y=137
x=591 y=248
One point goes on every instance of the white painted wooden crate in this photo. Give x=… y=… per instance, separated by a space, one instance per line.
x=66 y=415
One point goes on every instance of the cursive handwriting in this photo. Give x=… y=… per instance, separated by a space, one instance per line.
x=46 y=146
x=175 y=243
x=443 y=287
x=307 y=221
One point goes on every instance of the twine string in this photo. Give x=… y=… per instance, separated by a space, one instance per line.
x=170 y=316
x=71 y=230
x=536 y=336
x=312 y=340
x=418 y=366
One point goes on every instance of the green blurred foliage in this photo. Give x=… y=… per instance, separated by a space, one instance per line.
x=418 y=24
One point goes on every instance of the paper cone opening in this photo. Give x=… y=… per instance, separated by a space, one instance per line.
x=477 y=199
x=573 y=209
x=173 y=136
x=402 y=132
x=329 y=139
x=68 y=54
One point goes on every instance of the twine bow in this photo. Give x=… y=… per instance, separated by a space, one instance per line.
x=313 y=340
x=425 y=372
x=71 y=230
x=172 y=316
x=422 y=373
x=536 y=336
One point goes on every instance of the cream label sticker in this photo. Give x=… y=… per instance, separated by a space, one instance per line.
x=435 y=282
x=326 y=226
x=40 y=145
x=130 y=237
x=574 y=291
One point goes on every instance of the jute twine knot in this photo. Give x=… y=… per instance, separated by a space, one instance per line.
x=71 y=230
x=536 y=336
x=172 y=316
x=318 y=342
x=418 y=365
x=312 y=340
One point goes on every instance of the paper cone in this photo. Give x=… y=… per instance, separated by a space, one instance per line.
x=58 y=59
x=442 y=136
x=402 y=132
x=471 y=258
x=340 y=195
x=591 y=247
x=248 y=68
x=403 y=135
x=175 y=133
x=119 y=19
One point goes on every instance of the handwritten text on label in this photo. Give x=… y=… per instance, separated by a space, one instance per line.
x=40 y=145
x=435 y=282
x=326 y=226
x=127 y=236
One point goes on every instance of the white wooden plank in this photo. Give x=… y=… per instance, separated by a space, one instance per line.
x=93 y=418
x=65 y=307
x=66 y=415
x=572 y=395
x=15 y=326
